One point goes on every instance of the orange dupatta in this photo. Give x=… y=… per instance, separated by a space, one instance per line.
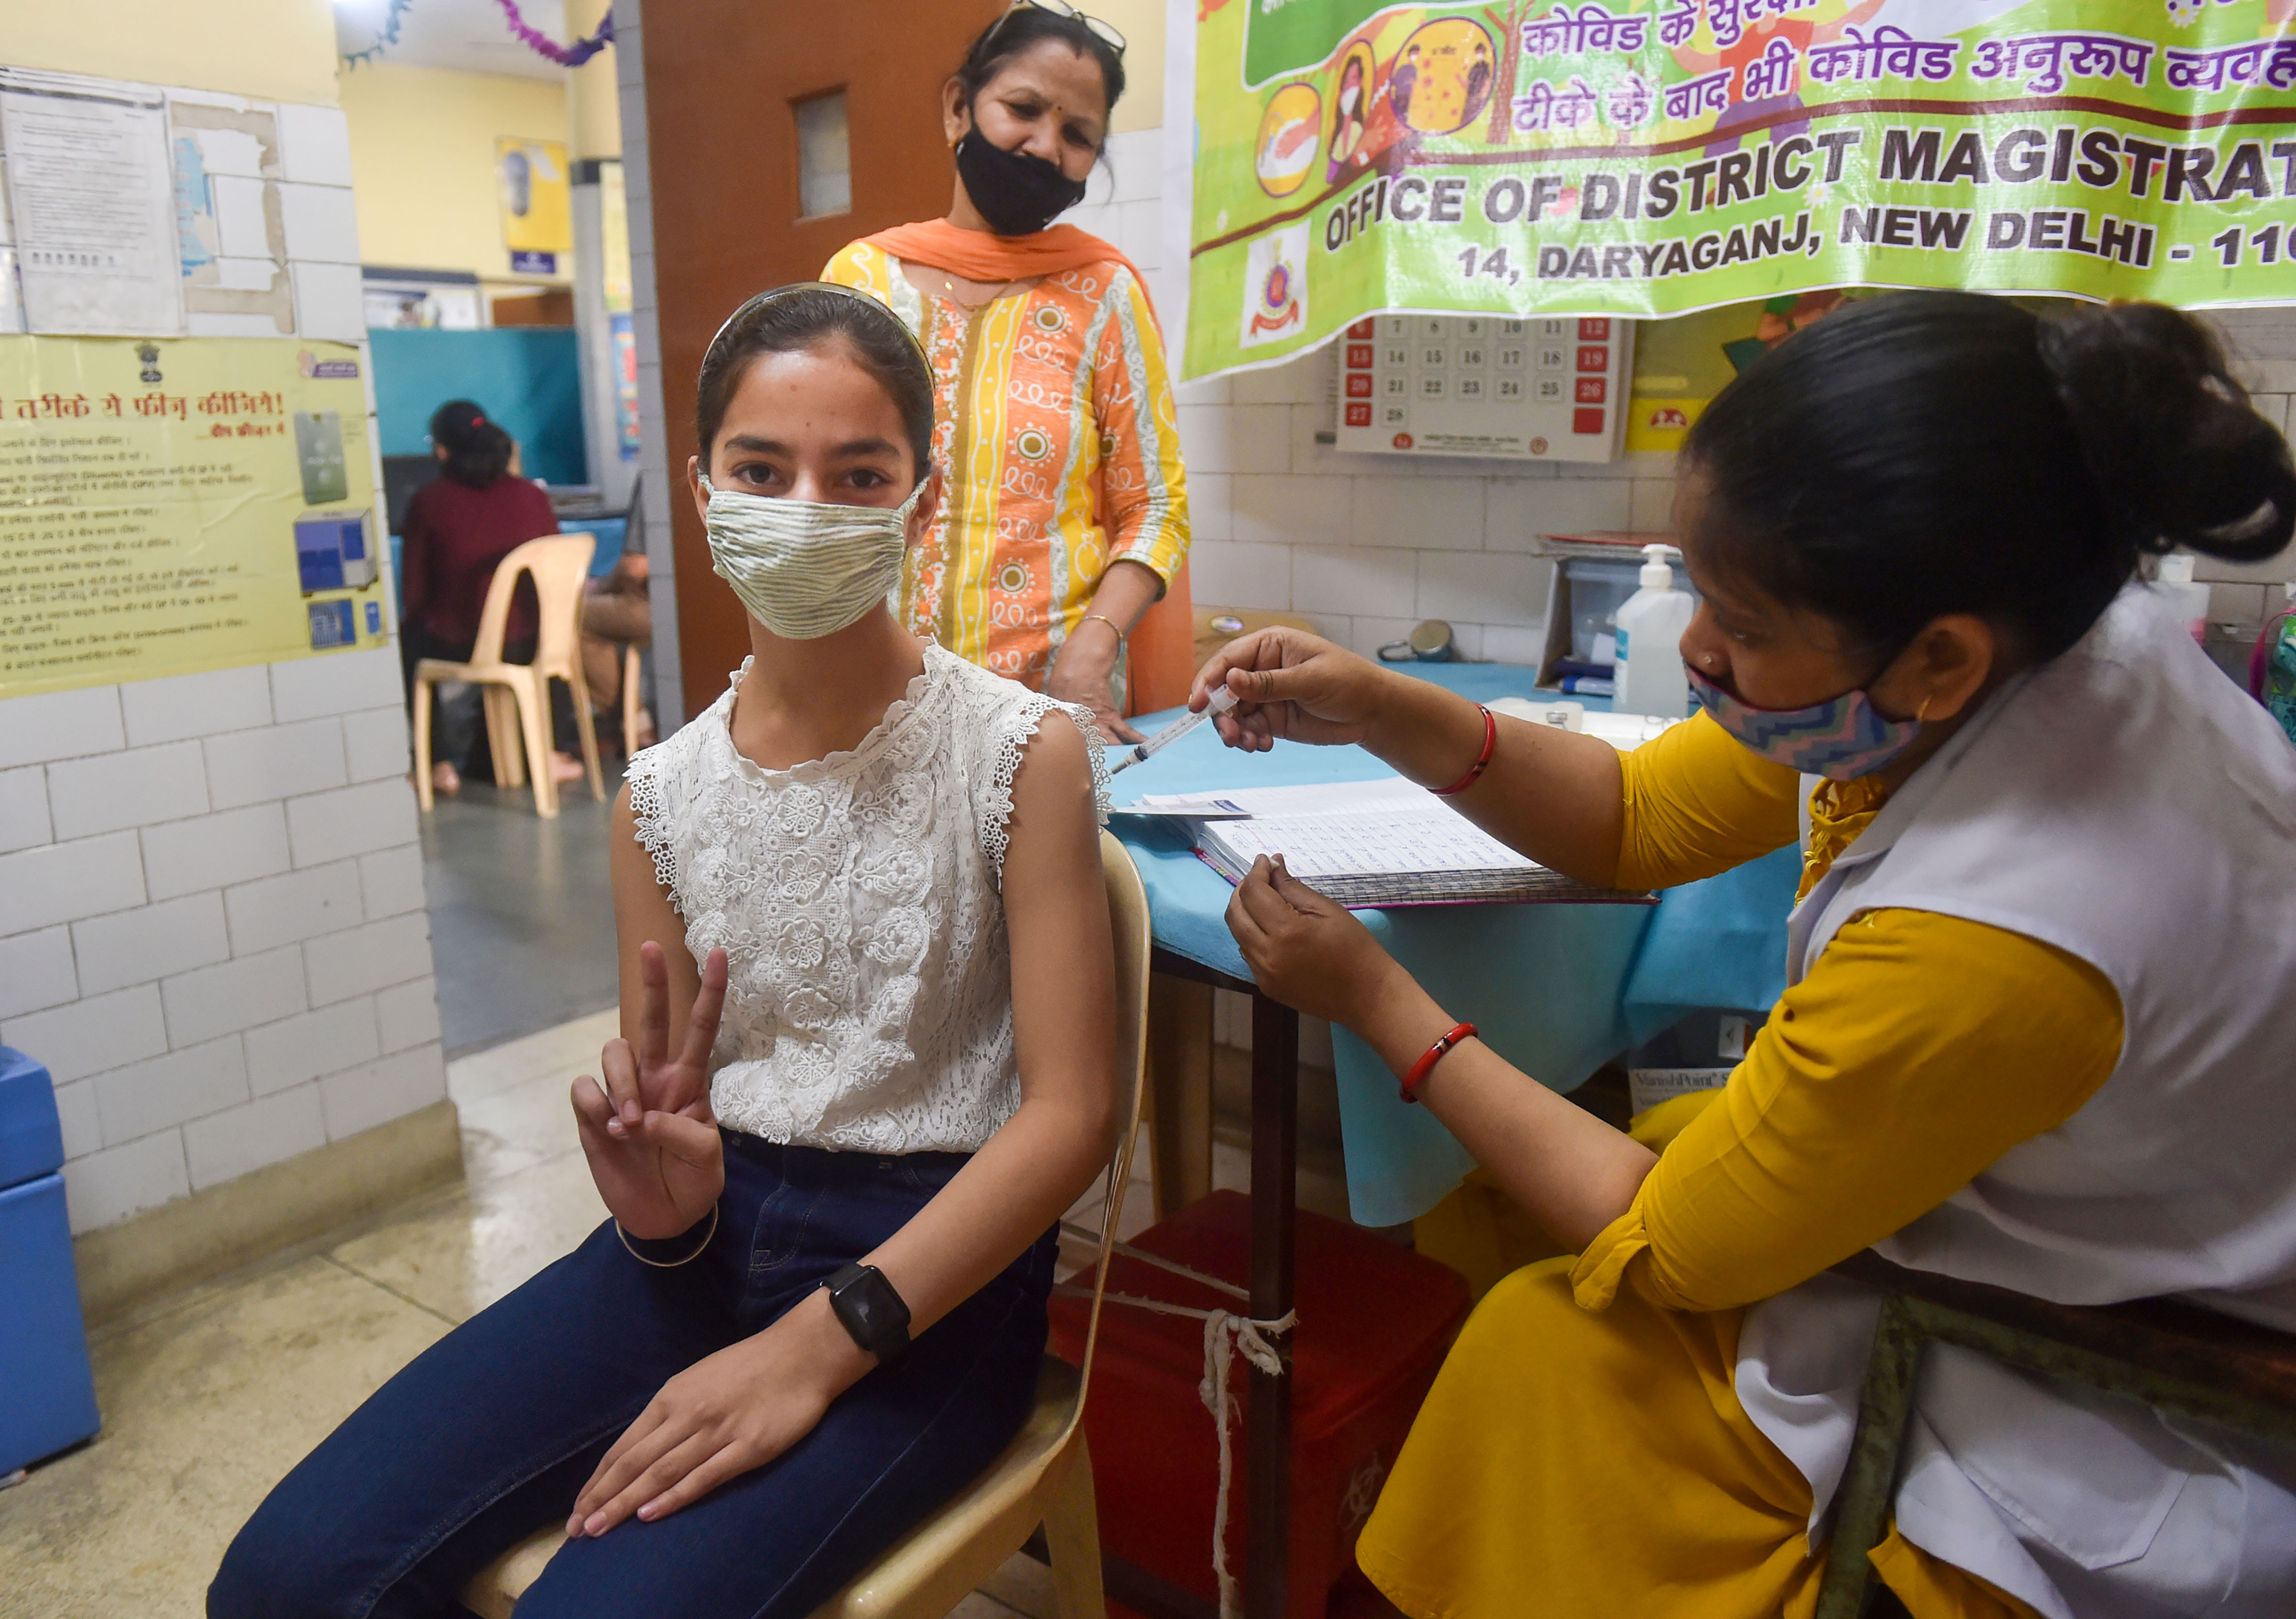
x=1162 y=645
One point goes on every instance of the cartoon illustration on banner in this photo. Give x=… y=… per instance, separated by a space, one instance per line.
x=1655 y=157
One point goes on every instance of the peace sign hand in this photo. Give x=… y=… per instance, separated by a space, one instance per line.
x=651 y=1138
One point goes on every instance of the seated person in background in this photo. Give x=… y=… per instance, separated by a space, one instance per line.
x=868 y=1010
x=616 y=611
x=458 y=529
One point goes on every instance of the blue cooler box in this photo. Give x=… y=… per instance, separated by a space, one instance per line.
x=47 y=1397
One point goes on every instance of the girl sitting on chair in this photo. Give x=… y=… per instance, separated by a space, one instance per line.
x=871 y=872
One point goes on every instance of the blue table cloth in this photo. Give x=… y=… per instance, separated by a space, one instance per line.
x=1557 y=989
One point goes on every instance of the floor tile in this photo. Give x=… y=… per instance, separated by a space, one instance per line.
x=205 y=1409
x=561 y=1050
x=517 y=1128
x=458 y=1251
x=521 y=910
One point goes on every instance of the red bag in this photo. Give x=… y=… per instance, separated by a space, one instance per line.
x=1375 y=1321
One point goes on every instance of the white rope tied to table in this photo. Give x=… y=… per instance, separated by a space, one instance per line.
x=1225 y=1333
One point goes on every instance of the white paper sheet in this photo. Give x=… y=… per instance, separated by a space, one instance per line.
x=92 y=194
x=1386 y=828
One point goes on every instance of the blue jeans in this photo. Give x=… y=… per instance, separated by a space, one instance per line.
x=490 y=1433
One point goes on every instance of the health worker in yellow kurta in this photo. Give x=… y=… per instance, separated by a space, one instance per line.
x=1059 y=558
x=2038 y=1024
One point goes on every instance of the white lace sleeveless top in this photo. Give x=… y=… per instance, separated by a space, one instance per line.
x=868 y=1003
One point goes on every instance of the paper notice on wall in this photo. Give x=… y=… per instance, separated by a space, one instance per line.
x=92 y=198
x=173 y=505
x=11 y=302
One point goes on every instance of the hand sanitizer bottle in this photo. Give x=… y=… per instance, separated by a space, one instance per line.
x=2188 y=598
x=1650 y=642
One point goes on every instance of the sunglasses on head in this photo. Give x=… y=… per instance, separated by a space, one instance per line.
x=1102 y=31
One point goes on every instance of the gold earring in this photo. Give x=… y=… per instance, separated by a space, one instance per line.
x=1921 y=714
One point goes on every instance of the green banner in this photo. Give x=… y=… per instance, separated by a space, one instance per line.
x=1661 y=156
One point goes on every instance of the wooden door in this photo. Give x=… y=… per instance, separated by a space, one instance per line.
x=723 y=79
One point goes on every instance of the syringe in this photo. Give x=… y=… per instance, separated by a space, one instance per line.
x=1223 y=700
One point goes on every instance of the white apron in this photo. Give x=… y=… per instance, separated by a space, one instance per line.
x=2130 y=805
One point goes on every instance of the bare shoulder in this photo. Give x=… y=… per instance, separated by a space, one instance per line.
x=1055 y=804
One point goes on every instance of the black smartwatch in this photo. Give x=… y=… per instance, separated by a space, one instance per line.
x=870 y=1309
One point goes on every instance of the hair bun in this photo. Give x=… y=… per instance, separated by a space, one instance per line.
x=2178 y=454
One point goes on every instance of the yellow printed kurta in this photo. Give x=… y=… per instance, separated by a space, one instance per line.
x=1584 y=1450
x=1055 y=423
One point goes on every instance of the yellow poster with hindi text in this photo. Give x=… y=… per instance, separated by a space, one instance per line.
x=170 y=506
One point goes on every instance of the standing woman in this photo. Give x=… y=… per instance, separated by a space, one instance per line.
x=2038 y=1025
x=1058 y=557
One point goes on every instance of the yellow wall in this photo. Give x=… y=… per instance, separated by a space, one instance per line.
x=270 y=50
x=593 y=99
x=1142 y=24
x=422 y=153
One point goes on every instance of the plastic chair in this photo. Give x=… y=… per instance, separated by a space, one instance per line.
x=631 y=672
x=517 y=696
x=1044 y=1475
x=2171 y=1355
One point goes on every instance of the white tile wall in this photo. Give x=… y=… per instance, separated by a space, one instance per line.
x=214 y=851
x=277 y=761
x=61 y=725
x=211 y=925
x=295 y=906
x=354 y=820
x=134 y=788
x=23 y=809
x=329 y=302
x=118 y=1181
x=392 y=882
x=320 y=224
x=168 y=971
x=241 y=994
x=138 y=946
x=295 y=1050
x=63 y=881
x=224 y=1146
x=183 y=706
x=36 y=972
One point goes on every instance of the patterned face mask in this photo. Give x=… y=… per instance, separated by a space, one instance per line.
x=805 y=570
x=1840 y=739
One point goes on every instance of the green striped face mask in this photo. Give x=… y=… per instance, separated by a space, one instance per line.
x=805 y=570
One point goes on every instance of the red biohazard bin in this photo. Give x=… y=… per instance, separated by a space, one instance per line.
x=1375 y=1321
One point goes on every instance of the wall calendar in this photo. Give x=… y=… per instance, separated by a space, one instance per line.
x=1528 y=390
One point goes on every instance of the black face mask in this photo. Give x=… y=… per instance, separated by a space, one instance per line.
x=1018 y=195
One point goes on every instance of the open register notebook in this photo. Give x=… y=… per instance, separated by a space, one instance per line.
x=1369 y=843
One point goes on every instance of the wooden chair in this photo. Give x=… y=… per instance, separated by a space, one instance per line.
x=2170 y=1354
x=517 y=696
x=1044 y=1475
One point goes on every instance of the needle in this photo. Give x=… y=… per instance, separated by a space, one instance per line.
x=1223 y=700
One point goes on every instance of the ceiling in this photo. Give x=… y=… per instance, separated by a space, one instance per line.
x=472 y=36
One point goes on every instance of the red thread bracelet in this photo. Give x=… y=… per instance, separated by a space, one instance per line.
x=1433 y=1055
x=1482 y=761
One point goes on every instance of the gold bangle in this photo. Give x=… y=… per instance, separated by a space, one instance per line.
x=1120 y=637
x=671 y=1264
